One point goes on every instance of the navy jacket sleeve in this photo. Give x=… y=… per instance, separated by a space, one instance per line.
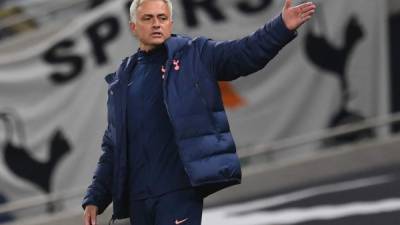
x=99 y=192
x=232 y=59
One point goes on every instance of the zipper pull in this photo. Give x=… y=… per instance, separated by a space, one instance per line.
x=163 y=70
x=112 y=220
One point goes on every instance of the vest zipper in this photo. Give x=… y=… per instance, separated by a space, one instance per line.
x=167 y=68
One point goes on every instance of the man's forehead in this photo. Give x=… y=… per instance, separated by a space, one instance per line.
x=144 y=2
x=153 y=8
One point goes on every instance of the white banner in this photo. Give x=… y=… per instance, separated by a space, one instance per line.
x=52 y=94
x=52 y=103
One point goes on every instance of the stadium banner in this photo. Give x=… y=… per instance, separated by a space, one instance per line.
x=335 y=72
x=53 y=94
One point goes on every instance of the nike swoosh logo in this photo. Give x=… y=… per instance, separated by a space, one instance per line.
x=180 y=221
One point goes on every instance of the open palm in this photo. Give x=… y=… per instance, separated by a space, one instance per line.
x=295 y=16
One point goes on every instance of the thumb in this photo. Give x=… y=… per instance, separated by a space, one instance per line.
x=288 y=4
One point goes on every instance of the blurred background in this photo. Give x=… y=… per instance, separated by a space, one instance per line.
x=316 y=130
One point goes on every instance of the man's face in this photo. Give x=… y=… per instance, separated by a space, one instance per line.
x=153 y=24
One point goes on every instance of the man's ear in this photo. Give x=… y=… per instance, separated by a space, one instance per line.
x=132 y=26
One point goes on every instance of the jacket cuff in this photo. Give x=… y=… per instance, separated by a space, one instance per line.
x=278 y=25
x=91 y=201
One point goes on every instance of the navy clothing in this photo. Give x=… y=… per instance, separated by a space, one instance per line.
x=193 y=101
x=154 y=164
x=180 y=207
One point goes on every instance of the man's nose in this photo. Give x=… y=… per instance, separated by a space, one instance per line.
x=156 y=23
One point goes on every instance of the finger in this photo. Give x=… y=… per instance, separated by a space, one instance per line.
x=308 y=13
x=305 y=19
x=304 y=6
x=288 y=4
x=86 y=219
x=93 y=217
x=308 y=8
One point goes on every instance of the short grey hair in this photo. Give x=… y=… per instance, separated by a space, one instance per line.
x=136 y=3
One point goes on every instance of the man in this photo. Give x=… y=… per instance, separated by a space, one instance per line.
x=167 y=144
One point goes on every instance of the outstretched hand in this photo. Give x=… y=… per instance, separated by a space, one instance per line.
x=295 y=16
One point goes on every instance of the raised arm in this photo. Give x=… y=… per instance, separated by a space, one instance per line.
x=232 y=59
